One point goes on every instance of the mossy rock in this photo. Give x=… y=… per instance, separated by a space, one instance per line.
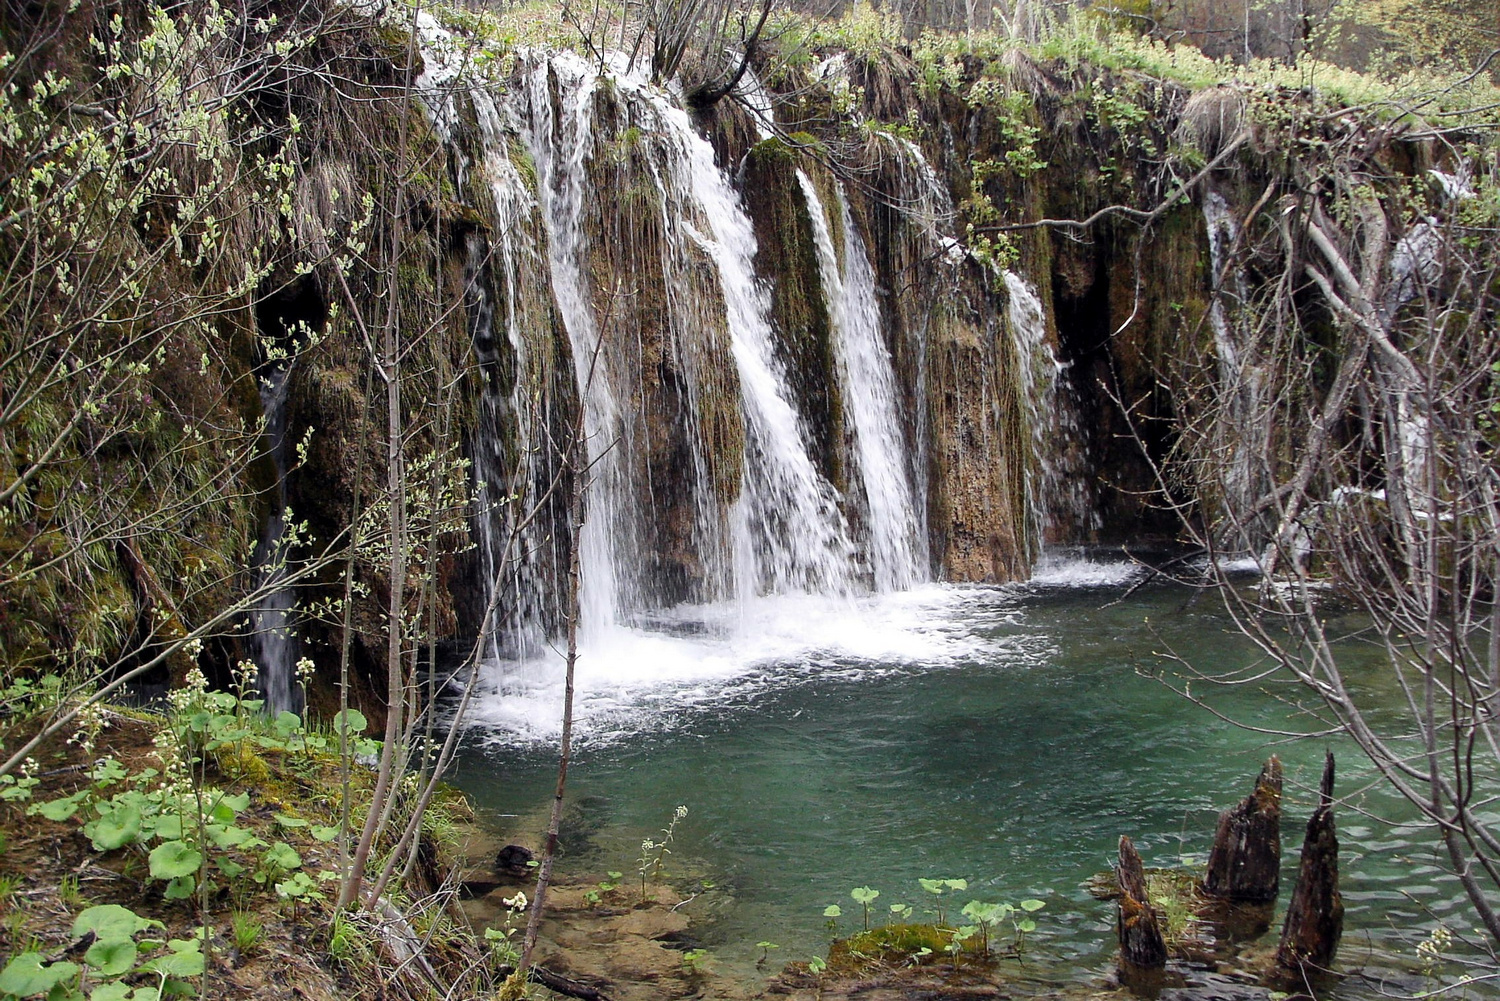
x=889 y=944
x=773 y=150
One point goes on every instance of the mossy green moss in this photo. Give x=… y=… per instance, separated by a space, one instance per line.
x=889 y=944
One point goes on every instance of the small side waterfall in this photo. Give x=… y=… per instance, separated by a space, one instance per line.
x=271 y=643
x=1059 y=486
x=895 y=526
x=1244 y=430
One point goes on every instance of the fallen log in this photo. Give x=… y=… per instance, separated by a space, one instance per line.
x=1244 y=864
x=1315 y=917
x=1136 y=923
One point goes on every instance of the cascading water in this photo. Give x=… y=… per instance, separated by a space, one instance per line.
x=270 y=640
x=1059 y=495
x=698 y=461
x=1245 y=431
x=897 y=539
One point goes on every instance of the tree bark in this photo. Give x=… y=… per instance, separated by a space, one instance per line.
x=1244 y=865
x=1141 y=943
x=1315 y=918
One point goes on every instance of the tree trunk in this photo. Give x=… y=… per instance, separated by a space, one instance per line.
x=1141 y=943
x=1244 y=865
x=1315 y=918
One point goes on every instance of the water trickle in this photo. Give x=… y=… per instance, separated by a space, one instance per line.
x=1244 y=430
x=1059 y=495
x=272 y=646
x=897 y=543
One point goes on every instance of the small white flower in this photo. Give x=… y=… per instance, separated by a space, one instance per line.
x=516 y=903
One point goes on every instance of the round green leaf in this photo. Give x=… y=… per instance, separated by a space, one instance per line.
x=110 y=923
x=832 y=911
x=283 y=856
x=173 y=859
x=863 y=894
x=1032 y=905
x=119 y=824
x=111 y=959
x=25 y=975
x=184 y=959
x=350 y=721
x=180 y=888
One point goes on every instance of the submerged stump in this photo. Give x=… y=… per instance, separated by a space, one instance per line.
x=1315 y=917
x=1244 y=865
x=1141 y=944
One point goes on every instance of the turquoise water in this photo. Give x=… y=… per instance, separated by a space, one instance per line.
x=1015 y=756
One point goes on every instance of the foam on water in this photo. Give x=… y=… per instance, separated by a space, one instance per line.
x=660 y=675
x=652 y=677
x=1068 y=570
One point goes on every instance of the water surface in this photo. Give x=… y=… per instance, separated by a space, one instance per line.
x=1007 y=735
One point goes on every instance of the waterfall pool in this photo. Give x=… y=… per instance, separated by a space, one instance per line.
x=1006 y=735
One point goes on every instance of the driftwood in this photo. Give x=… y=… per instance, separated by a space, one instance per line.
x=1141 y=943
x=557 y=982
x=1244 y=865
x=1315 y=917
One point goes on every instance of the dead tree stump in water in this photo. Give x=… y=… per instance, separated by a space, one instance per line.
x=1245 y=863
x=1141 y=943
x=1315 y=917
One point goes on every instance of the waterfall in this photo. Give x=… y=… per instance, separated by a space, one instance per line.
x=271 y=643
x=897 y=539
x=1244 y=430
x=785 y=532
x=1060 y=503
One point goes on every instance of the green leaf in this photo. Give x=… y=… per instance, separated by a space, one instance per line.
x=324 y=833
x=108 y=772
x=110 y=923
x=1033 y=905
x=111 y=959
x=228 y=836
x=291 y=822
x=65 y=991
x=119 y=824
x=863 y=894
x=174 y=859
x=350 y=721
x=184 y=959
x=180 y=888
x=833 y=911
x=168 y=827
x=956 y=884
x=229 y=867
x=238 y=802
x=59 y=809
x=25 y=975
x=114 y=991
x=282 y=856
x=1026 y=925
x=287 y=723
x=932 y=885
